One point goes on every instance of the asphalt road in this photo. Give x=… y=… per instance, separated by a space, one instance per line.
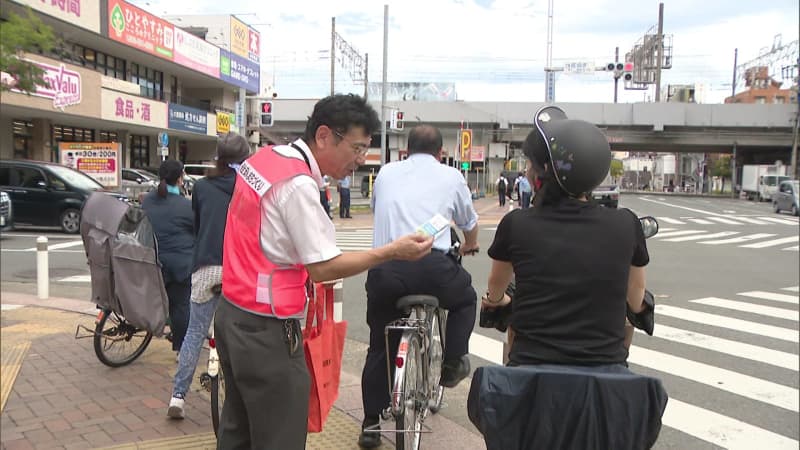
x=725 y=273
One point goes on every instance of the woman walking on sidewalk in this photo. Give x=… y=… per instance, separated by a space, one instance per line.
x=171 y=216
x=210 y=200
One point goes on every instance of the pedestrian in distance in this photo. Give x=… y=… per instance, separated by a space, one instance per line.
x=325 y=195
x=344 y=198
x=502 y=185
x=210 y=199
x=277 y=237
x=173 y=223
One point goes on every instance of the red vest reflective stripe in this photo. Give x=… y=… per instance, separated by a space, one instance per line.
x=249 y=279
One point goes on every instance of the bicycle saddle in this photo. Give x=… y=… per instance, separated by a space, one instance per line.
x=406 y=302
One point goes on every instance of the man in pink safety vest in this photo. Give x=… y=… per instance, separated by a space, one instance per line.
x=277 y=236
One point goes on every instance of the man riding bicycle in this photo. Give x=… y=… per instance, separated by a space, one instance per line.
x=407 y=194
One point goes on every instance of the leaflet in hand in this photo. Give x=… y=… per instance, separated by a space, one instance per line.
x=434 y=226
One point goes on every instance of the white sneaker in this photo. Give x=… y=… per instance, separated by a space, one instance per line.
x=175 y=410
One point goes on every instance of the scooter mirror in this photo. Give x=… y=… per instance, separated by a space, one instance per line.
x=649 y=226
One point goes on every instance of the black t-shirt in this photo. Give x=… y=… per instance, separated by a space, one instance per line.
x=571 y=264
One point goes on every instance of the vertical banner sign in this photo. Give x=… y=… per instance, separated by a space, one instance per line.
x=240 y=38
x=466 y=144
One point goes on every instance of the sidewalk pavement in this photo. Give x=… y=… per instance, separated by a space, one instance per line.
x=56 y=394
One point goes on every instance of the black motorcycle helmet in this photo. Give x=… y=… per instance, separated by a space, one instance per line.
x=575 y=152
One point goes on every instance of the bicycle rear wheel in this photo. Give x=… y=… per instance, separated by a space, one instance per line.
x=217 y=399
x=116 y=341
x=438 y=324
x=409 y=386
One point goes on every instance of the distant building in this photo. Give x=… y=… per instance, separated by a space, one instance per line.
x=762 y=88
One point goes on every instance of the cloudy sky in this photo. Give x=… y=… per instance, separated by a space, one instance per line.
x=495 y=50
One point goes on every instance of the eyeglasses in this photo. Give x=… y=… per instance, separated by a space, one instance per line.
x=359 y=148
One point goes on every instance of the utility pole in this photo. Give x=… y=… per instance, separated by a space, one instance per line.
x=660 y=40
x=616 y=78
x=384 y=142
x=549 y=75
x=735 y=60
x=333 y=51
x=796 y=132
x=366 y=76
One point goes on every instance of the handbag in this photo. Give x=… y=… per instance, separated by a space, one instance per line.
x=323 y=342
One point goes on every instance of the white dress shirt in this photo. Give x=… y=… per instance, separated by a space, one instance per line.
x=409 y=193
x=294 y=227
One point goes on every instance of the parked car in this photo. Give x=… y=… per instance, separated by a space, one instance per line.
x=193 y=173
x=787 y=198
x=607 y=195
x=6 y=212
x=48 y=194
x=135 y=177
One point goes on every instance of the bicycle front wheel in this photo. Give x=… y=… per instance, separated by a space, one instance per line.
x=217 y=399
x=438 y=323
x=409 y=391
x=116 y=341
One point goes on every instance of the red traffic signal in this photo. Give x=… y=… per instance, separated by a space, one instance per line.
x=399 y=115
x=266 y=107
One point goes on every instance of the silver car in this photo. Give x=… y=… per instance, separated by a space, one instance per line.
x=787 y=197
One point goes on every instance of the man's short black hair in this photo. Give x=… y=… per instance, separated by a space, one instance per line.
x=425 y=139
x=341 y=112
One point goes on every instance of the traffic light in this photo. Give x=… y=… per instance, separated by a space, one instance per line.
x=627 y=71
x=465 y=165
x=399 y=122
x=266 y=114
x=617 y=68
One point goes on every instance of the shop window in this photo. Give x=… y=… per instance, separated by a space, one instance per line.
x=151 y=81
x=23 y=137
x=71 y=134
x=108 y=136
x=140 y=152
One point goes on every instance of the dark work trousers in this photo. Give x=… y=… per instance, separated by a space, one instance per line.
x=501 y=195
x=525 y=199
x=179 y=294
x=436 y=274
x=323 y=198
x=267 y=388
x=344 y=203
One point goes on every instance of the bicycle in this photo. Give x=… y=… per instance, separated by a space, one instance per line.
x=415 y=391
x=213 y=381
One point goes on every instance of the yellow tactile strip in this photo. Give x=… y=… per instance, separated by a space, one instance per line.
x=11 y=362
x=341 y=432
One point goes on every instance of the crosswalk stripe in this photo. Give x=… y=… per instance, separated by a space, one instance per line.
x=715 y=320
x=774 y=296
x=701 y=221
x=672 y=221
x=58 y=246
x=724 y=220
x=750 y=220
x=791 y=289
x=727 y=380
x=722 y=431
x=761 y=310
x=487 y=348
x=77 y=279
x=735 y=240
x=779 y=220
x=697 y=237
x=773 y=242
x=664 y=230
x=795 y=248
x=734 y=348
x=678 y=233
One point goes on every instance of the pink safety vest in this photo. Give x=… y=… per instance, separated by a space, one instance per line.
x=249 y=279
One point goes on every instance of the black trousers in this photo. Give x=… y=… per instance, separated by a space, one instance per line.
x=344 y=203
x=436 y=274
x=179 y=294
x=323 y=198
x=266 y=386
x=501 y=194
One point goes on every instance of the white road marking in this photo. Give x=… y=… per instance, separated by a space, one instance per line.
x=678 y=233
x=785 y=298
x=702 y=236
x=727 y=380
x=58 y=246
x=753 y=221
x=781 y=221
x=9 y=307
x=769 y=311
x=715 y=320
x=772 y=243
x=735 y=240
x=724 y=220
x=701 y=221
x=727 y=346
x=701 y=211
x=729 y=211
x=672 y=221
x=722 y=431
x=790 y=289
x=77 y=279
x=792 y=249
x=487 y=348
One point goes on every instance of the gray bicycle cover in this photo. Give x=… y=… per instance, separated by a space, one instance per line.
x=122 y=252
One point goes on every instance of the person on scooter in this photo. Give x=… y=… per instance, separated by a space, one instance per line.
x=575 y=265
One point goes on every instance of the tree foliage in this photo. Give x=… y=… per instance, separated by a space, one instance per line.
x=20 y=35
x=617 y=169
x=722 y=169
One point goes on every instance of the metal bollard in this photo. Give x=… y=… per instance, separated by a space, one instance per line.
x=42 y=268
x=338 y=296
